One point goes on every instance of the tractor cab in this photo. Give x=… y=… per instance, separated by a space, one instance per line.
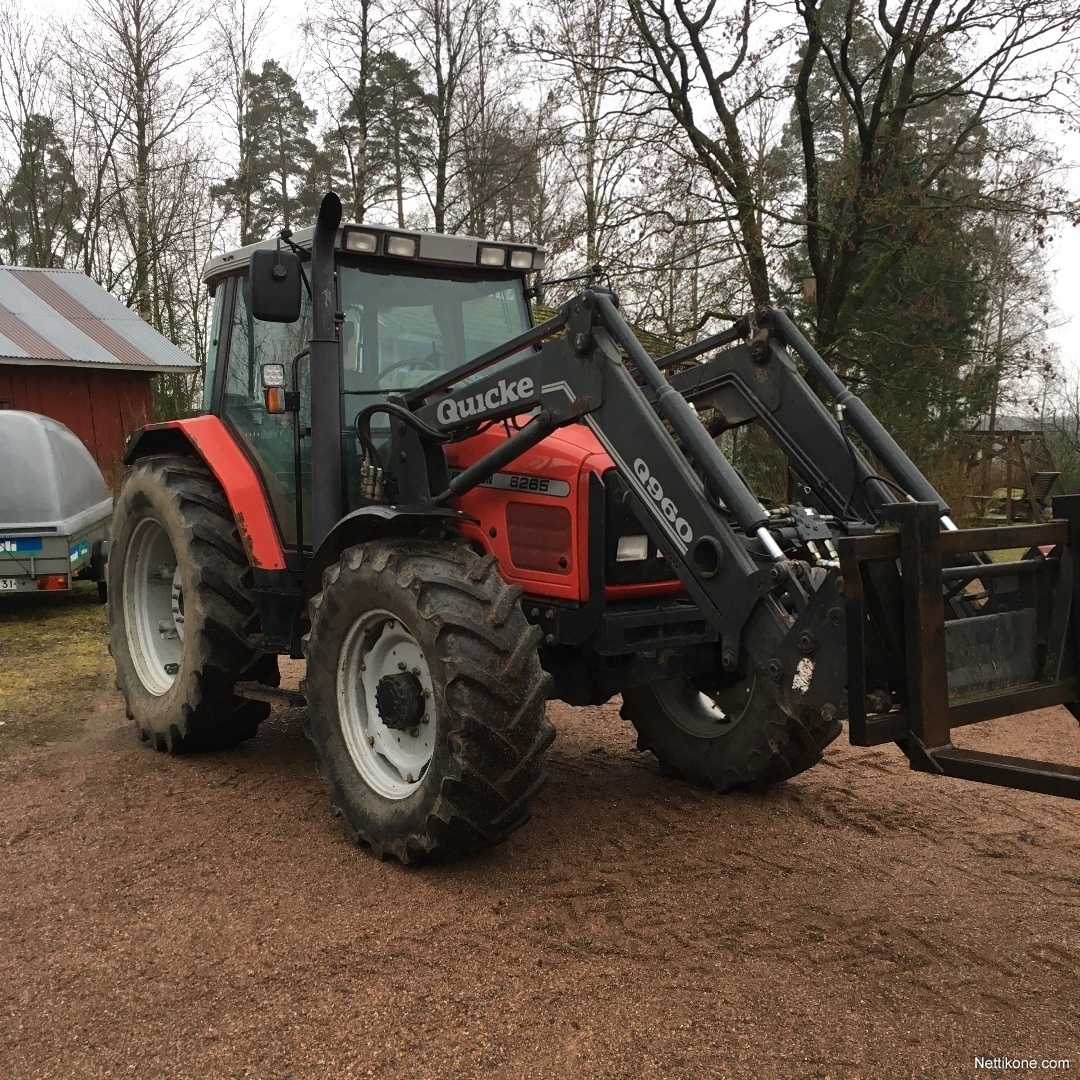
x=410 y=307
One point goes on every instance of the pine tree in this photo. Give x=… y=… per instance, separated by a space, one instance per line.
x=274 y=158
x=41 y=207
x=896 y=298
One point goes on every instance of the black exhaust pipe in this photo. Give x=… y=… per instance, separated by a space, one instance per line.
x=327 y=489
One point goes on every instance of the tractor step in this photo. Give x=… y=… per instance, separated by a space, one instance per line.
x=291 y=699
x=1024 y=773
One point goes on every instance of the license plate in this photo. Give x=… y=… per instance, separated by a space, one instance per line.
x=8 y=584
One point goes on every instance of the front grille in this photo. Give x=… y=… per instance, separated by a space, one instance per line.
x=540 y=537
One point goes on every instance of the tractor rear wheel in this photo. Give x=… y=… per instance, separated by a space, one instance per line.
x=181 y=610
x=735 y=737
x=425 y=698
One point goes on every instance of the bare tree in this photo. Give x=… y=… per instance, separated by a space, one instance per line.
x=40 y=198
x=25 y=53
x=443 y=34
x=135 y=59
x=935 y=75
x=864 y=80
x=349 y=40
x=239 y=29
x=577 y=47
x=699 y=64
x=1011 y=252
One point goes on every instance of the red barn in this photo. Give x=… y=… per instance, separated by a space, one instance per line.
x=72 y=351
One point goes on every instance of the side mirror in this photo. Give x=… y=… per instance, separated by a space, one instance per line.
x=275 y=282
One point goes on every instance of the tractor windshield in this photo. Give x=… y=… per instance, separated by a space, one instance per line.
x=403 y=325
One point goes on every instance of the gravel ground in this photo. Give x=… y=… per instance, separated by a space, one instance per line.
x=207 y=917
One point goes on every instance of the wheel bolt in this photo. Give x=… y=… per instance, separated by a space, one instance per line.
x=416 y=672
x=408 y=778
x=363 y=666
x=402 y=665
x=427 y=692
x=371 y=740
x=425 y=719
x=414 y=732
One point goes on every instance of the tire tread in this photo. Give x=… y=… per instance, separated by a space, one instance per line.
x=495 y=691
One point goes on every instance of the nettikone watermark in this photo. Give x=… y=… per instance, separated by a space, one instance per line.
x=1026 y=1063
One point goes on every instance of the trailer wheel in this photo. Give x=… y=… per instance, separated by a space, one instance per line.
x=732 y=738
x=425 y=698
x=181 y=610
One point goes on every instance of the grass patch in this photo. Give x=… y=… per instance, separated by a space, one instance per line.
x=1008 y=554
x=54 y=663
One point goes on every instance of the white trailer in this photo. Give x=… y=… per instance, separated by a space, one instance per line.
x=54 y=507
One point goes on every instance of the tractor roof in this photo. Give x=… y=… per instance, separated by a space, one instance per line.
x=400 y=245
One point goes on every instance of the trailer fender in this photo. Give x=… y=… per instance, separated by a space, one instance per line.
x=376 y=522
x=208 y=438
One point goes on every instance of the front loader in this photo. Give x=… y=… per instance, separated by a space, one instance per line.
x=453 y=514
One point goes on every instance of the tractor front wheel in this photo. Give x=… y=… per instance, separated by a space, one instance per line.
x=733 y=737
x=425 y=698
x=181 y=610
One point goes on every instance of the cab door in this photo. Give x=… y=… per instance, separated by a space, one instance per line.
x=279 y=444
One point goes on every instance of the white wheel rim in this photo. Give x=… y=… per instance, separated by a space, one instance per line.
x=154 y=607
x=391 y=762
x=703 y=715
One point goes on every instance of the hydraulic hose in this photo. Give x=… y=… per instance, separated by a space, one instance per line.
x=362 y=423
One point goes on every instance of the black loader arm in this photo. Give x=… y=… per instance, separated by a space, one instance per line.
x=700 y=514
x=866 y=602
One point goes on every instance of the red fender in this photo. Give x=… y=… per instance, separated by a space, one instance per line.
x=216 y=445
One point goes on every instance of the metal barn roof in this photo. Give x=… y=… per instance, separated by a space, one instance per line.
x=63 y=317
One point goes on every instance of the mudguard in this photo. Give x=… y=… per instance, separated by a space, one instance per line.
x=207 y=437
x=373 y=521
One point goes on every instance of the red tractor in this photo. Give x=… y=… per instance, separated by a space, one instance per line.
x=453 y=514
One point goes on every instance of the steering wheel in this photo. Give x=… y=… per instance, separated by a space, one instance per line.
x=425 y=364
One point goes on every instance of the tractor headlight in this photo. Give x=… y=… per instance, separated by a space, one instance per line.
x=521 y=260
x=492 y=256
x=632 y=549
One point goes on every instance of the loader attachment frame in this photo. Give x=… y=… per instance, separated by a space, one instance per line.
x=951 y=672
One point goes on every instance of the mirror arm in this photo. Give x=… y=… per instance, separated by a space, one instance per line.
x=285 y=237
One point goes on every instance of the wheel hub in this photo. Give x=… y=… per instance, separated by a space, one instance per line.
x=705 y=714
x=399 y=699
x=386 y=704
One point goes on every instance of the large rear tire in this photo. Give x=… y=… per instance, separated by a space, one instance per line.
x=181 y=610
x=425 y=698
x=726 y=739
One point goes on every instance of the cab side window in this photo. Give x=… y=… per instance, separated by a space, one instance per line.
x=217 y=346
x=268 y=437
